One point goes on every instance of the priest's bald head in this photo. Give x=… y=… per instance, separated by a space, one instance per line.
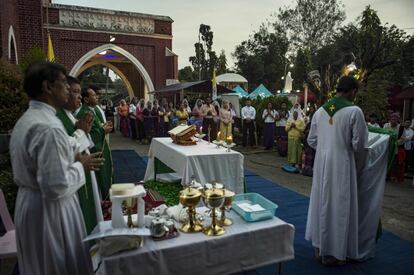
x=46 y=82
x=347 y=87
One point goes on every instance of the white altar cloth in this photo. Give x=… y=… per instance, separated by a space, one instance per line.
x=244 y=246
x=371 y=184
x=204 y=161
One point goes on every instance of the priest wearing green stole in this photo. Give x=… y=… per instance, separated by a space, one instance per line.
x=338 y=133
x=100 y=128
x=70 y=124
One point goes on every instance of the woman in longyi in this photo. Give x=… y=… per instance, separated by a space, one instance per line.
x=226 y=121
x=295 y=127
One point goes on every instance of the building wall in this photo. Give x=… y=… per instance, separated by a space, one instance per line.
x=28 y=18
x=31 y=33
x=8 y=17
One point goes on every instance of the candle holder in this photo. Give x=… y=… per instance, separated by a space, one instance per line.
x=200 y=136
x=229 y=146
x=218 y=143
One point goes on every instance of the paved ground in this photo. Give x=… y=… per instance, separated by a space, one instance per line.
x=398 y=207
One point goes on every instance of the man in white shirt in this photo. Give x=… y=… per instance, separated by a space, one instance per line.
x=48 y=172
x=248 y=117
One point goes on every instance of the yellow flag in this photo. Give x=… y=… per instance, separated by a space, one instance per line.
x=214 y=85
x=50 y=52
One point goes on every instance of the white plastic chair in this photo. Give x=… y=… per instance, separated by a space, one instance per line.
x=8 y=248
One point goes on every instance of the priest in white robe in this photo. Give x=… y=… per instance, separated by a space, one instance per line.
x=48 y=218
x=338 y=131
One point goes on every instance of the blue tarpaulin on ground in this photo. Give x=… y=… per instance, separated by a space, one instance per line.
x=393 y=256
x=261 y=91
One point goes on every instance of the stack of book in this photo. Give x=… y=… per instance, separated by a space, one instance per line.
x=184 y=134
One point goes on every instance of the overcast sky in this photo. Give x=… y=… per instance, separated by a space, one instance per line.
x=232 y=21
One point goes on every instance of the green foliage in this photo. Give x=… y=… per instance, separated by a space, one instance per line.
x=187 y=74
x=13 y=101
x=376 y=50
x=170 y=191
x=33 y=55
x=96 y=75
x=311 y=23
x=7 y=184
x=205 y=59
x=222 y=63
x=372 y=98
x=303 y=65
x=261 y=59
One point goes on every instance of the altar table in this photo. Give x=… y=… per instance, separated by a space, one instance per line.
x=204 y=161
x=244 y=246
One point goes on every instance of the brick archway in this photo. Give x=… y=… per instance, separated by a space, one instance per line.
x=76 y=69
x=113 y=68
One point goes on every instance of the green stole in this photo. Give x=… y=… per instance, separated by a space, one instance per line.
x=105 y=174
x=85 y=193
x=99 y=114
x=334 y=105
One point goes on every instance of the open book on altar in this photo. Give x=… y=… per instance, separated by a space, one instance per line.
x=181 y=130
x=183 y=134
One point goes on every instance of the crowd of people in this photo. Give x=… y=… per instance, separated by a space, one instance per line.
x=284 y=128
x=142 y=120
x=53 y=168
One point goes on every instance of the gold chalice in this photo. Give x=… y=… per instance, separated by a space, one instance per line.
x=228 y=199
x=213 y=198
x=190 y=197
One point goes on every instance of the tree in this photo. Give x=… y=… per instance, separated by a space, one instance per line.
x=376 y=50
x=95 y=75
x=13 y=101
x=311 y=23
x=303 y=65
x=261 y=59
x=372 y=97
x=222 y=63
x=205 y=58
x=187 y=74
x=33 y=55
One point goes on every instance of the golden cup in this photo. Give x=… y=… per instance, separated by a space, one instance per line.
x=213 y=198
x=228 y=199
x=190 y=197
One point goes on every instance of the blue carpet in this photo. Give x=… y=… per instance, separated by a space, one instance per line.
x=394 y=255
x=128 y=166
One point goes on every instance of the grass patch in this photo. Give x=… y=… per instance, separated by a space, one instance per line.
x=169 y=190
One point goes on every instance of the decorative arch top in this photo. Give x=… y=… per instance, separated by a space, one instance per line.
x=86 y=57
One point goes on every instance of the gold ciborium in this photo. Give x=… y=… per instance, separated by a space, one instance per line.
x=228 y=199
x=190 y=197
x=213 y=199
